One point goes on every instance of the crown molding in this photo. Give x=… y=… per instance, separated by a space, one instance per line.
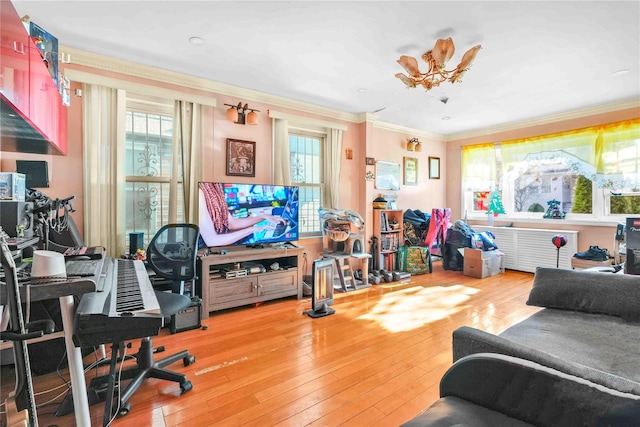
x=109 y=64
x=544 y=120
x=412 y=131
x=128 y=68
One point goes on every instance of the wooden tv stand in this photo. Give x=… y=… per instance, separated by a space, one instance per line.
x=219 y=292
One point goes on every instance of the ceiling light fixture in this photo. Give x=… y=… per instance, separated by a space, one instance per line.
x=436 y=59
x=196 y=40
x=620 y=73
x=237 y=114
x=414 y=145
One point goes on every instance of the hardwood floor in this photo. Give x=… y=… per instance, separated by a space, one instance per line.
x=376 y=362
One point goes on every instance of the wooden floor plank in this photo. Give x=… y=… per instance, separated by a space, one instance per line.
x=376 y=362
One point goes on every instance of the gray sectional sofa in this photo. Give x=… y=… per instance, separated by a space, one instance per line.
x=576 y=362
x=494 y=390
x=589 y=327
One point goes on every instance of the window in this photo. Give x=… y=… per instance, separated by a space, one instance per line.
x=305 y=152
x=150 y=168
x=593 y=173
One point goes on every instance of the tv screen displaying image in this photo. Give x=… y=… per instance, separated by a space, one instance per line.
x=247 y=214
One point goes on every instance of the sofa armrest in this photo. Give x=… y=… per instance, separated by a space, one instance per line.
x=536 y=394
x=468 y=340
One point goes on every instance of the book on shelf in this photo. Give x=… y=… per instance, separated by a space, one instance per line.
x=384 y=223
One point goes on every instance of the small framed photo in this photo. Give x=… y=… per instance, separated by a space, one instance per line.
x=410 y=171
x=370 y=161
x=241 y=157
x=434 y=167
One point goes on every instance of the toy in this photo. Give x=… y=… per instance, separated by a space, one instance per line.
x=553 y=211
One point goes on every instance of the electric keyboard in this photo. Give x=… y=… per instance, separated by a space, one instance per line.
x=127 y=308
x=82 y=268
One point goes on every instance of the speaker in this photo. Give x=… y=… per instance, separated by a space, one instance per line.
x=136 y=241
x=13 y=213
x=188 y=318
x=36 y=172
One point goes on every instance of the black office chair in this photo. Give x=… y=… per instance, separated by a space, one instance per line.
x=172 y=255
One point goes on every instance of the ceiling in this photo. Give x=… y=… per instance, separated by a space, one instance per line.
x=538 y=58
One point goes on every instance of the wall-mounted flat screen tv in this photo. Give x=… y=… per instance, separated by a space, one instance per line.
x=247 y=214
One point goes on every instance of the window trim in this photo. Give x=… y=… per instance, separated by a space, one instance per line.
x=321 y=135
x=154 y=106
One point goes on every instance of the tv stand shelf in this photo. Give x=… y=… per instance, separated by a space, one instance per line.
x=219 y=293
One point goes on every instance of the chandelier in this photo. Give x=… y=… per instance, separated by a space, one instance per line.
x=436 y=59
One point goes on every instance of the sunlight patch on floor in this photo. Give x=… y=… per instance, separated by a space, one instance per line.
x=221 y=365
x=414 y=307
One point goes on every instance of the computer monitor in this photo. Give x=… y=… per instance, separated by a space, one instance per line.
x=322 y=296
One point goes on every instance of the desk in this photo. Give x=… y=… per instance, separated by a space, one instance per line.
x=64 y=291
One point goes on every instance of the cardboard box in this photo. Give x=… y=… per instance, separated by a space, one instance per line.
x=481 y=264
x=12 y=186
x=581 y=264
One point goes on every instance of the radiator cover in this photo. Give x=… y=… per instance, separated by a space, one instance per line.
x=525 y=249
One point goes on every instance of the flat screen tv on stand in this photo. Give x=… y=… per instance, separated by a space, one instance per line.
x=253 y=215
x=322 y=296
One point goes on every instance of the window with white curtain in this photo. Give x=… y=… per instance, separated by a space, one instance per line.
x=305 y=152
x=594 y=173
x=149 y=166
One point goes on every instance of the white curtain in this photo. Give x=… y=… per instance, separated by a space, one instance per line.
x=281 y=156
x=187 y=137
x=331 y=166
x=103 y=167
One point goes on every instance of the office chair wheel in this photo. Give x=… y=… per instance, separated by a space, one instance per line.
x=124 y=409
x=188 y=360
x=185 y=387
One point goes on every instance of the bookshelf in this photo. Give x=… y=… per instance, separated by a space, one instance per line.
x=390 y=237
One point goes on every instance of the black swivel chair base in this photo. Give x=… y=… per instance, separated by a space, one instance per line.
x=146 y=366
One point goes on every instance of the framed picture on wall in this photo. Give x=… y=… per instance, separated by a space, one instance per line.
x=410 y=171
x=387 y=175
x=241 y=157
x=434 y=167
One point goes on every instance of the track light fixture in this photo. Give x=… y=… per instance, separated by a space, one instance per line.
x=414 y=145
x=238 y=114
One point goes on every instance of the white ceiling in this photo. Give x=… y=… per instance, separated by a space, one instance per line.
x=538 y=58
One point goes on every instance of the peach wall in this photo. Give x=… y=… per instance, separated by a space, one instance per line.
x=66 y=171
x=588 y=235
x=366 y=139
x=391 y=146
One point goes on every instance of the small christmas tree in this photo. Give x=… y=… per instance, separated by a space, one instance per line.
x=495 y=204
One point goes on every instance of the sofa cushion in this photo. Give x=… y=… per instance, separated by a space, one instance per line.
x=607 y=345
x=587 y=291
x=453 y=411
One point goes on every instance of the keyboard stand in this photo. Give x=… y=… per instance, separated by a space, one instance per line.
x=116 y=348
x=64 y=291
x=76 y=368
